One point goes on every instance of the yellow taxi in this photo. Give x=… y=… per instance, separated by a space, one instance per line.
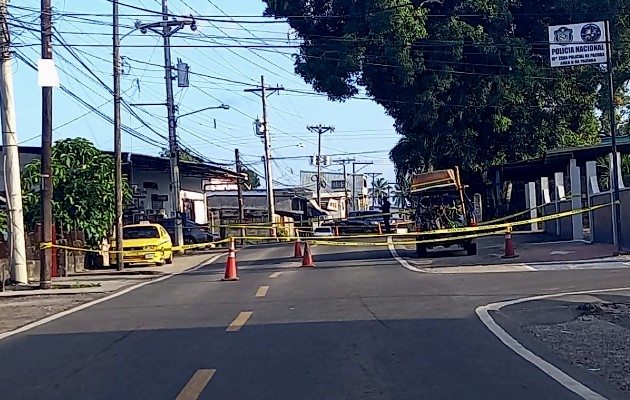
x=147 y=243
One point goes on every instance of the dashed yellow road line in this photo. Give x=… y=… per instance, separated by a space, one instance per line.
x=196 y=384
x=262 y=291
x=239 y=321
x=276 y=274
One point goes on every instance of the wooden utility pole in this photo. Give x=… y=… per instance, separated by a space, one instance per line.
x=45 y=257
x=264 y=92
x=320 y=130
x=355 y=204
x=241 y=209
x=345 y=162
x=118 y=142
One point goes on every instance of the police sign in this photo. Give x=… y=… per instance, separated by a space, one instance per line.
x=577 y=44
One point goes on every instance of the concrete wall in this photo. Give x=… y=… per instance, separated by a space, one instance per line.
x=562 y=227
x=601 y=223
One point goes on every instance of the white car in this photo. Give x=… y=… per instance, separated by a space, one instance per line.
x=323 y=231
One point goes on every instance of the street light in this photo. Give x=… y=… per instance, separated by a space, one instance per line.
x=300 y=145
x=221 y=107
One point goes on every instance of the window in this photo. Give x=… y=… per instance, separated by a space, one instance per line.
x=338 y=184
x=141 y=232
x=150 y=185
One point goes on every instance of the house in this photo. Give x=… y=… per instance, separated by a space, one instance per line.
x=149 y=178
x=336 y=188
x=294 y=203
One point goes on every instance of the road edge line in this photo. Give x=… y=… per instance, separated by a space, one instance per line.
x=401 y=261
x=119 y=293
x=572 y=384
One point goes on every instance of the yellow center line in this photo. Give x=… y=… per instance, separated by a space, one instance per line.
x=262 y=291
x=196 y=384
x=275 y=274
x=239 y=321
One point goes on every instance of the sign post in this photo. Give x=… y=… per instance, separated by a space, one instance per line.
x=584 y=44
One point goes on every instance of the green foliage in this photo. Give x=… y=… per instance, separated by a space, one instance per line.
x=473 y=89
x=83 y=182
x=253 y=181
x=183 y=156
x=380 y=189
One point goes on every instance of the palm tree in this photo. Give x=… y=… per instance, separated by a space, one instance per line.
x=402 y=192
x=380 y=189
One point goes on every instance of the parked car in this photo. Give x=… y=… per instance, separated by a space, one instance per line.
x=323 y=231
x=193 y=233
x=147 y=243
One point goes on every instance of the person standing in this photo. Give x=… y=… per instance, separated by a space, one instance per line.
x=386 y=210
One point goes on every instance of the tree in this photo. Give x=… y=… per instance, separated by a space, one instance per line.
x=183 y=156
x=380 y=188
x=253 y=181
x=83 y=182
x=472 y=89
x=402 y=191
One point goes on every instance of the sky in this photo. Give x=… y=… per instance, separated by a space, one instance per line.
x=219 y=75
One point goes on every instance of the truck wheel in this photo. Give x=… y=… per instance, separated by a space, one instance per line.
x=421 y=250
x=471 y=249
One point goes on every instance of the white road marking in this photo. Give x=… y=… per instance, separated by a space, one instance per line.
x=240 y=320
x=276 y=274
x=196 y=384
x=549 y=369
x=561 y=253
x=401 y=261
x=262 y=291
x=53 y=317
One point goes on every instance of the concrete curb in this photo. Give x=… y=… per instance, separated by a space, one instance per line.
x=151 y=276
x=483 y=312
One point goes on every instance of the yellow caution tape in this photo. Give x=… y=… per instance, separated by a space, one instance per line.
x=49 y=245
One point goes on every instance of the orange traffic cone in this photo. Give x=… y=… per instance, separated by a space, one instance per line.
x=231 y=271
x=297 y=250
x=509 y=245
x=307 y=260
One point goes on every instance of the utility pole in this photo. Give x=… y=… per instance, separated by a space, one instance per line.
x=344 y=162
x=264 y=92
x=616 y=207
x=45 y=257
x=354 y=176
x=13 y=188
x=117 y=142
x=241 y=210
x=320 y=130
x=166 y=33
x=172 y=132
x=373 y=175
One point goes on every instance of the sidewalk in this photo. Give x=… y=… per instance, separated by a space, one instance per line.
x=20 y=307
x=533 y=249
x=589 y=331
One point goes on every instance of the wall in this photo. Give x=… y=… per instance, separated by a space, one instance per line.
x=564 y=224
x=601 y=225
x=191 y=188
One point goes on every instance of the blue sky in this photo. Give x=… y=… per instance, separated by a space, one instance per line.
x=361 y=125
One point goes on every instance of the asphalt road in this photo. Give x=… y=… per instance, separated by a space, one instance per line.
x=357 y=327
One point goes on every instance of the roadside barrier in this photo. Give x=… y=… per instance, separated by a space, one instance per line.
x=297 y=249
x=448 y=235
x=307 y=260
x=231 y=270
x=509 y=245
x=195 y=246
